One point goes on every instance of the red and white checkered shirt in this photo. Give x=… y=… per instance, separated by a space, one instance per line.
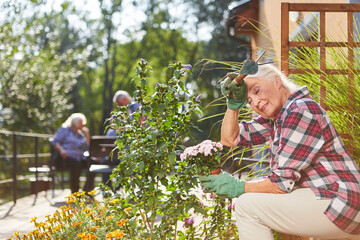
x=307 y=151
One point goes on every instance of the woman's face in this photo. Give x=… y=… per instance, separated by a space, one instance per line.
x=265 y=97
x=78 y=124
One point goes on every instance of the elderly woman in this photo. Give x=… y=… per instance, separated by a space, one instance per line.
x=313 y=186
x=71 y=141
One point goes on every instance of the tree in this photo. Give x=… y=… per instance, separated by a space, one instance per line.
x=38 y=69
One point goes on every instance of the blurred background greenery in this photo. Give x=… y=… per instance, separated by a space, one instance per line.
x=59 y=57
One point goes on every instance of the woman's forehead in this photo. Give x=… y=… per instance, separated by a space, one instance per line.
x=250 y=82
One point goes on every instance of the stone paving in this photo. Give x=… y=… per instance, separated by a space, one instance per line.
x=17 y=217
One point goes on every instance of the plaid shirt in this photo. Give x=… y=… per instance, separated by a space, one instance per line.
x=74 y=144
x=307 y=151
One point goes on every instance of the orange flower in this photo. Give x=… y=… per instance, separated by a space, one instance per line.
x=115 y=234
x=81 y=234
x=122 y=222
x=89 y=236
x=94 y=228
x=76 y=224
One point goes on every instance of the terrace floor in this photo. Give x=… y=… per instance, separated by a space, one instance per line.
x=17 y=217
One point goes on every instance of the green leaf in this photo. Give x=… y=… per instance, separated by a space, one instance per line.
x=177 y=74
x=161 y=108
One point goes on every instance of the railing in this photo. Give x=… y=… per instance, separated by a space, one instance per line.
x=15 y=156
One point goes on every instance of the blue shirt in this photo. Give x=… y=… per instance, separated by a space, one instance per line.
x=74 y=144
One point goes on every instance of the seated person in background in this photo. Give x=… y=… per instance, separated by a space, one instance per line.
x=121 y=98
x=72 y=140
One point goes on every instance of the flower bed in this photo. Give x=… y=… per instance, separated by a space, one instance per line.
x=160 y=199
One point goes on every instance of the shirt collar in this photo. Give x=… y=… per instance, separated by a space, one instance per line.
x=301 y=93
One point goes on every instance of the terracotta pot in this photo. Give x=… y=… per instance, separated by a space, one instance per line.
x=216 y=171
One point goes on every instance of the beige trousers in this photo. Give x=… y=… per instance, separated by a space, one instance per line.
x=295 y=213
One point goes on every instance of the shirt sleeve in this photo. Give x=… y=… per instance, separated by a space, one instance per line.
x=300 y=141
x=255 y=132
x=59 y=136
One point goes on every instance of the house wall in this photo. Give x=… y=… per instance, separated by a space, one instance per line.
x=269 y=37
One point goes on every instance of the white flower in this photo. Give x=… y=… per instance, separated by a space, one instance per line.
x=194 y=153
x=206 y=142
x=207 y=151
x=188 y=150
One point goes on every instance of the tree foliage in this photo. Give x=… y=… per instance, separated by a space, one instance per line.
x=52 y=65
x=37 y=67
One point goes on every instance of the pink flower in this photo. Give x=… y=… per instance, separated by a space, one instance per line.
x=219 y=145
x=231 y=206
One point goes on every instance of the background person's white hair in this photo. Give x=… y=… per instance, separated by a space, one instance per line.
x=119 y=94
x=73 y=119
x=269 y=72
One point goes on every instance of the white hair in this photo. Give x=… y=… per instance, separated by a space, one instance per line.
x=71 y=121
x=119 y=94
x=269 y=72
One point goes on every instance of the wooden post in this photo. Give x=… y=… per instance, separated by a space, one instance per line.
x=351 y=45
x=285 y=38
x=36 y=165
x=14 y=169
x=322 y=60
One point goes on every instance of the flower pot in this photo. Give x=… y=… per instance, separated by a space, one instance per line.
x=216 y=171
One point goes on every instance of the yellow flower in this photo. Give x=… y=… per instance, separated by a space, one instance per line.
x=115 y=234
x=119 y=234
x=89 y=236
x=94 y=228
x=114 y=201
x=78 y=194
x=89 y=214
x=80 y=235
x=122 y=222
x=87 y=210
x=57 y=228
x=76 y=224
x=109 y=217
x=92 y=192
x=33 y=219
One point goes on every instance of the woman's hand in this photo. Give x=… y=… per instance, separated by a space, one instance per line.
x=63 y=154
x=86 y=133
x=235 y=94
x=85 y=130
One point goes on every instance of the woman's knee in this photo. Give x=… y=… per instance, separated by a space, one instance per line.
x=244 y=203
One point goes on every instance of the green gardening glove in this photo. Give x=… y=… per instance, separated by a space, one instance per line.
x=224 y=185
x=236 y=92
x=235 y=95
